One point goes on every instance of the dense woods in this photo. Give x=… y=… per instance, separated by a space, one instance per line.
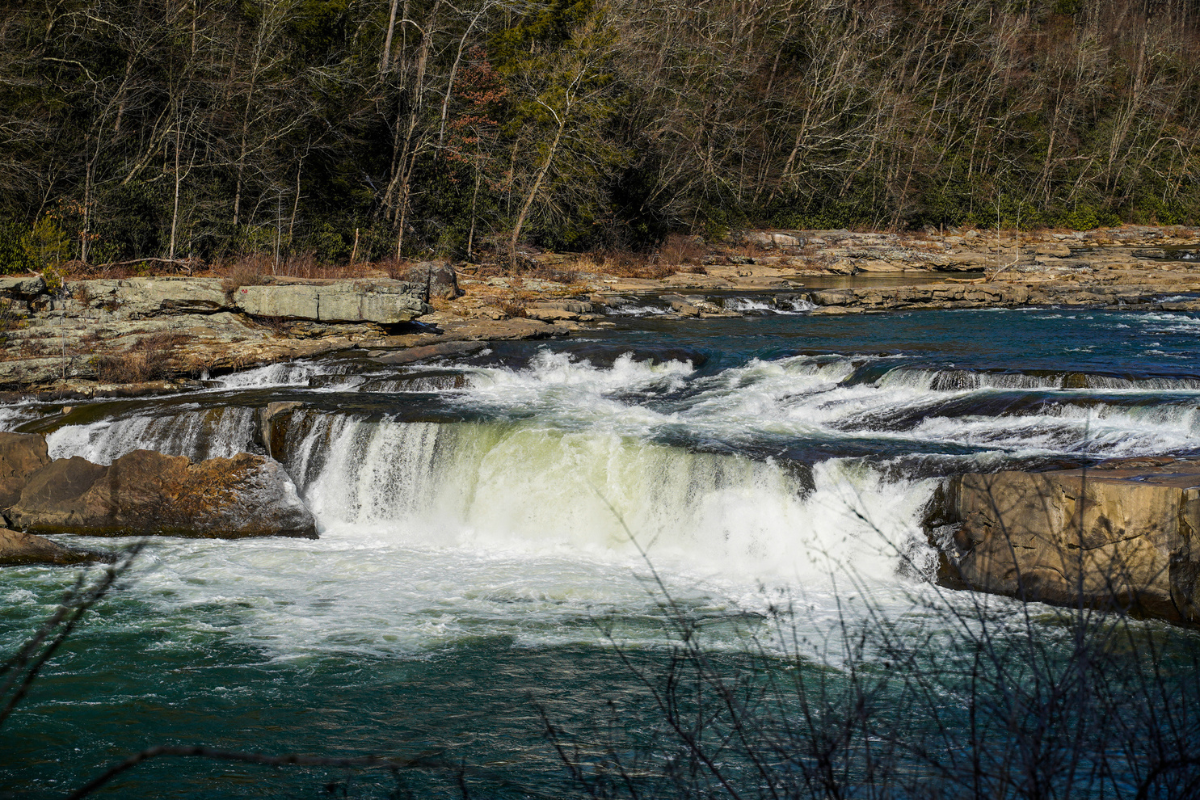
x=375 y=128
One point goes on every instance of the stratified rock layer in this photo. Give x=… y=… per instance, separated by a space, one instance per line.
x=381 y=302
x=150 y=493
x=1123 y=535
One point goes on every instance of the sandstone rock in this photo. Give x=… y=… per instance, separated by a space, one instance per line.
x=267 y=432
x=134 y=298
x=878 y=265
x=833 y=311
x=571 y=306
x=21 y=455
x=1123 y=537
x=1053 y=249
x=772 y=239
x=22 y=286
x=292 y=302
x=437 y=277
x=551 y=314
x=19 y=548
x=383 y=302
x=145 y=492
x=843 y=266
x=958 y=262
x=441 y=350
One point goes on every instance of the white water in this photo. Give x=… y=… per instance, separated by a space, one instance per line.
x=515 y=488
x=808 y=396
x=522 y=525
x=745 y=305
x=431 y=533
x=198 y=434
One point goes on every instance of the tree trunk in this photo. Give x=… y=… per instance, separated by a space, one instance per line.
x=533 y=190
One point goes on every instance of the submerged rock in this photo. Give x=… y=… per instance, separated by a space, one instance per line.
x=1123 y=536
x=442 y=350
x=18 y=548
x=145 y=492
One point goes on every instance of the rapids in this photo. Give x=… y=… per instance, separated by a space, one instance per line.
x=530 y=503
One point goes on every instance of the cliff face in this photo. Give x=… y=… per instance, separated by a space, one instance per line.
x=1121 y=535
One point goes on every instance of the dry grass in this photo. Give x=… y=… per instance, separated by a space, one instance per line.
x=626 y=264
x=680 y=249
x=146 y=360
x=513 y=308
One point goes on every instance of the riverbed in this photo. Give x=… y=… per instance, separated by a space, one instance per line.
x=507 y=537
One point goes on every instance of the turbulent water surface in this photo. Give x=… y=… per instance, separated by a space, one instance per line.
x=491 y=527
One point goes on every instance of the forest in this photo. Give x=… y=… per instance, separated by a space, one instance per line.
x=377 y=129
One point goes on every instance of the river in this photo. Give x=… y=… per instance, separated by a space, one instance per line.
x=501 y=533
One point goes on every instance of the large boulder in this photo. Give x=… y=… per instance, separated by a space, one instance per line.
x=1122 y=536
x=145 y=492
x=437 y=277
x=22 y=286
x=21 y=455
x=382 y=302
x=18 y=548
x=135 y=298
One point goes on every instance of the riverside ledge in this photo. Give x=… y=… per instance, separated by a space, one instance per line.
x=1119 y=536
x=144 y=335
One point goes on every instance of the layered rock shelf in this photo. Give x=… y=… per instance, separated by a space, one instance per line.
x=1123 y=535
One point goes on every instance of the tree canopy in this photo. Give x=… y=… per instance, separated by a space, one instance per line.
x=204 y=128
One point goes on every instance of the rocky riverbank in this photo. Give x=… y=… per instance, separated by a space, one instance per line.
x=1122 y=535
x=154 y=334
x=142 y=493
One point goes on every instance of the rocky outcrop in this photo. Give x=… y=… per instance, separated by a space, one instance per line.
x=21 y=455
x=148 y=493
x=559 y=310
x=18 y=548
x=138 y=298
x=437 y=277
x=267 y=432
x=21 y=287
x=1000 y=294
x=381 y=302
x=1123 y=535
x=773 y=239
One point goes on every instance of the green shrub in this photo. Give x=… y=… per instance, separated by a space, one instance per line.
x=14 y=248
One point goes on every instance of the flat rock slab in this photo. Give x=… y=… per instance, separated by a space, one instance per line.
x=22 y=286
x=18 y=548
x=134 y=298
x=148 y=493
x=384 y=303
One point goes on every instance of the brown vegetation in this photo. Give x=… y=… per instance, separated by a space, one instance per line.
x=146 y=360
x=143 y=140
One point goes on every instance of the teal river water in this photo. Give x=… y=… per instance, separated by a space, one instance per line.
x=475 y=569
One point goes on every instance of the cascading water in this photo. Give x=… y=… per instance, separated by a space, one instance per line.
x=483 y=522
x=510 y=487
x=198 y=434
